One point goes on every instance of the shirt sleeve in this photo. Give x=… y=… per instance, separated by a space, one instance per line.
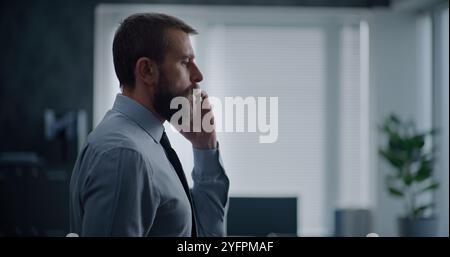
x=118 y=198
x=210 y=192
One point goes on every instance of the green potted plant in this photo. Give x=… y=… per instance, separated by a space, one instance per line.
x=412 y=175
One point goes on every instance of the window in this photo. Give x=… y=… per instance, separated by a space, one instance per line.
x=288 y=63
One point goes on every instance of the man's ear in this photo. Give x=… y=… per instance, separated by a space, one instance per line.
x=146 y=71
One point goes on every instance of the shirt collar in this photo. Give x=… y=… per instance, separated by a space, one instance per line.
x=139 y=114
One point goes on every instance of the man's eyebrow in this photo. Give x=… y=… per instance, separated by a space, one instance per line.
x=189 y=56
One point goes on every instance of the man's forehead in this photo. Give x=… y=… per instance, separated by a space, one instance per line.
x=179 y=43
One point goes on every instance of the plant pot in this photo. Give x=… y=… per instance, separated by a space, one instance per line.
x=420 y=227
x=352 y=222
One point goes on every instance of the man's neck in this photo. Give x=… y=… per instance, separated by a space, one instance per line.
x=143 y=100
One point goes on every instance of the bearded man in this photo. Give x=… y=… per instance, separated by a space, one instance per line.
x=128 y=180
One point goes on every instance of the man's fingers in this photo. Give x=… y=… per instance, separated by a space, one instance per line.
x=205 y=101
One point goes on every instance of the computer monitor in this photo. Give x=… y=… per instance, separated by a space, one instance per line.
x=262 y=216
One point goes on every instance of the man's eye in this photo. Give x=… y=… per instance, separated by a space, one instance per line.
x=185 y=62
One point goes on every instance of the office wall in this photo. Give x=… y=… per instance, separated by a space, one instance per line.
x=441 y=103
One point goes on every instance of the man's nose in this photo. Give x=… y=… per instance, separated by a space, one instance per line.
x=196 y=76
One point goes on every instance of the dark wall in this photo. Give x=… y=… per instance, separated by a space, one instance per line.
x=46 y=62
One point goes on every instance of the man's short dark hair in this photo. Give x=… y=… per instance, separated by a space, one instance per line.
x=142 y=35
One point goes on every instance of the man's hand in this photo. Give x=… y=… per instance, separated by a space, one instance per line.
x=203 y=139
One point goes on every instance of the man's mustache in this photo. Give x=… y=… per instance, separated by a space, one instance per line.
x=195 y=86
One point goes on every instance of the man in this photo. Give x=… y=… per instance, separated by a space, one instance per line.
x=128 y=181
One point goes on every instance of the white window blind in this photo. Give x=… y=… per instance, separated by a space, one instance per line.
x=287 y=63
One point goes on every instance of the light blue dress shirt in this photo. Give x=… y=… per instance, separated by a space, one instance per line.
x=124 y=185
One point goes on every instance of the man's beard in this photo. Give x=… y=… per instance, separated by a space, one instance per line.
x=164 y=95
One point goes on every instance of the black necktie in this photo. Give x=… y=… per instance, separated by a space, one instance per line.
x=173 y=158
